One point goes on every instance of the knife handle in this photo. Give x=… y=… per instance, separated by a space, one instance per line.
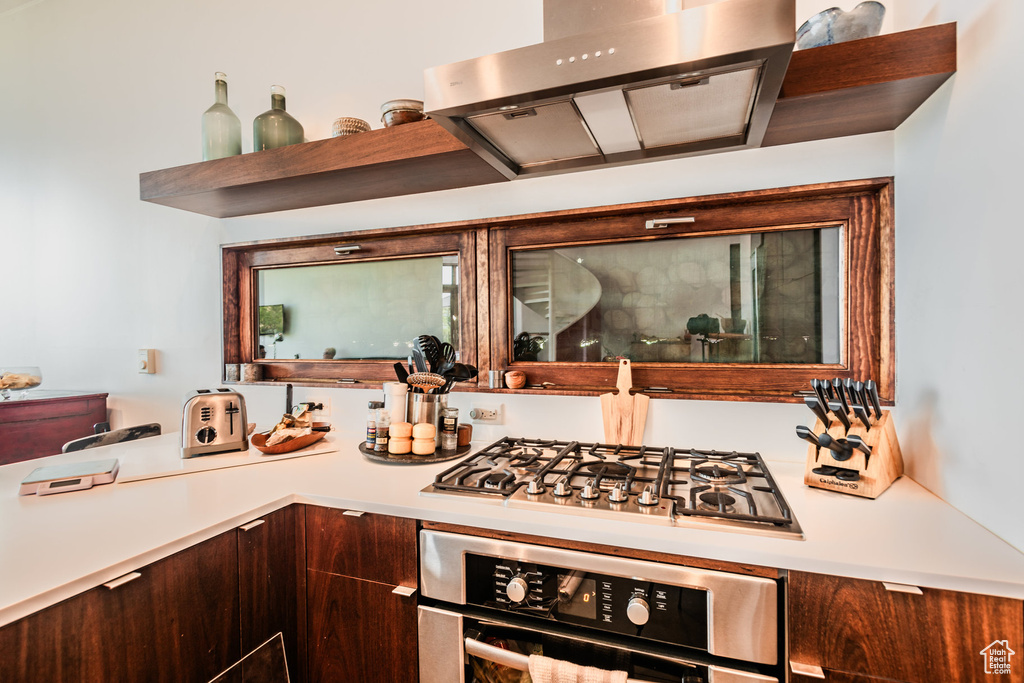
x=837 y=385
x=840 y=450
x=818 y=409
x=807 y=435
x=872 y=390
x=837 y=409
x=862 y=414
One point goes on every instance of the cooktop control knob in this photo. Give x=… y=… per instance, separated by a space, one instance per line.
x=618 y=494
x=516 y=589
x=590 y=491
x=535 y=486
x=562 y=488
x=648 y=496
x=638 y=611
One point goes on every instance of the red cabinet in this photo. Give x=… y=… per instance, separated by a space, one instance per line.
x=46 y=420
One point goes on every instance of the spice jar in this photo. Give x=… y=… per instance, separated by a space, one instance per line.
x=371 y=422
x=449 y=429
x=380 y=442
x=397 y=112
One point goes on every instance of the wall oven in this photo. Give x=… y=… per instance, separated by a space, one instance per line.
x=488 y=604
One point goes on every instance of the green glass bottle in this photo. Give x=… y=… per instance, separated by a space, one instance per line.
x=222 y=131
x=275 y=127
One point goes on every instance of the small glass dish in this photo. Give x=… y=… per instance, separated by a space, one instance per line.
x=17 y=381
x=397 y=112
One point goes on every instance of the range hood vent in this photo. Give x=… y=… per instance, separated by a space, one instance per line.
x=667 y=85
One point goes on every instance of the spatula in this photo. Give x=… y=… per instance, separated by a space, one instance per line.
x=624 y=415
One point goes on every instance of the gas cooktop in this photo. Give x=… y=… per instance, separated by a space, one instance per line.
x=685 y=487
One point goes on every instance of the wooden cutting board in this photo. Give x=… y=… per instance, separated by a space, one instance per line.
x=624 y=416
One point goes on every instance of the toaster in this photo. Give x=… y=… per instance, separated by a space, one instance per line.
x=213 y=421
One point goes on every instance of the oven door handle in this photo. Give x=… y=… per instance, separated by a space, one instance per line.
x=507 y=658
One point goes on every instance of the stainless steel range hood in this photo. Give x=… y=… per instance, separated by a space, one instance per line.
x=641 y=83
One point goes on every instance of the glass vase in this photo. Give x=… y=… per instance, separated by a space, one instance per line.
x=222 y=131
x=275 y=127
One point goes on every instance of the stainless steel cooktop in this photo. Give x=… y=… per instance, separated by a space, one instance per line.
x=720 y=490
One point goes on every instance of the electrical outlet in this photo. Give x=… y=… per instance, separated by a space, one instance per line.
x=488 y=414
x=320 y=404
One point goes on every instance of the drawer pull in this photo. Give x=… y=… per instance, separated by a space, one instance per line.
x=404 y=591
x=353 y=513
x=658 y=223
x=120 y=581
x=252 y=525
x=809 y=670
x=902 y=588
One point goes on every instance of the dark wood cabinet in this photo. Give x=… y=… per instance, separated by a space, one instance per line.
x=855 y=630
x=175 y=620
x=42 y=423
x=362 y=574
x=360 y=631
x=272 y=584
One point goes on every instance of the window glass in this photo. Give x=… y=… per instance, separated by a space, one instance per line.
x=756 y=297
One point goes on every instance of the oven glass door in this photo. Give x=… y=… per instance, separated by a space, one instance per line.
x=480 y=649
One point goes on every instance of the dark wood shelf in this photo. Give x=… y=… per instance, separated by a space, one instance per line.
x=862 y=86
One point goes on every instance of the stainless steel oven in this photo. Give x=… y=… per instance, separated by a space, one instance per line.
x=489 y=604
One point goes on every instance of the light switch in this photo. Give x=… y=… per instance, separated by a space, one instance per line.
x=147 y=361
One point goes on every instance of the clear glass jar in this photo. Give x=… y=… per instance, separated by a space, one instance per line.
x=449 y=429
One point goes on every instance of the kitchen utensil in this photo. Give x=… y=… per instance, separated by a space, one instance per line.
x=426 y=381
x=841 y=451
x=418 y=360
x=319 y=431
x=837 y=387
x=858 y=443
x=213 y=421
x=820 y=391
x=837 y=409
x=430 y=348
x=806 y=434
x=448 y=354
x=427 y=408
x=401 y=373
x=847 y=475
x=68 y=477
x=862 y=414
x=819 y=409
x=624 y=415
x=872 y=390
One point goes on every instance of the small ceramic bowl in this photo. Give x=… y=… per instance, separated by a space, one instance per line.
x=515 y=379
x=348 y=125
x=397 y=112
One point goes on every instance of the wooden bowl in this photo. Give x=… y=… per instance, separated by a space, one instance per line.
x=259 y=441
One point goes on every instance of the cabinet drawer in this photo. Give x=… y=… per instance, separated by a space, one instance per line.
x=361 y=545
x=862 y=629
x=360 y=631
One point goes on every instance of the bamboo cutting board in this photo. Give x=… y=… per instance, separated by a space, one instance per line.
x=624 y=416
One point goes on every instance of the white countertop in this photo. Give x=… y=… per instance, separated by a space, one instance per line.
x=56 y=546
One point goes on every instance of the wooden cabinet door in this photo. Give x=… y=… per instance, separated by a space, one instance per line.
x=851 y=627
x=362 y=545
x=360 y=631
x=272 y=584
x=177 y=621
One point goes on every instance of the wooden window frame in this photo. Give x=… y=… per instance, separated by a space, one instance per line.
x=864 y=208
x=241 y=264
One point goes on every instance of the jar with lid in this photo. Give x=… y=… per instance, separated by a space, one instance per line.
x=371 y=422
x=449 y=429
x=380 y=443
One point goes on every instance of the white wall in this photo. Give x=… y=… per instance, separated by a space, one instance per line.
x=100 y=91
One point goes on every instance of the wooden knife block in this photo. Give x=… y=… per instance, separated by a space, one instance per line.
x=877 y=472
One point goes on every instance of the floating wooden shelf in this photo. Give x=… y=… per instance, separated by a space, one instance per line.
x=863 y=86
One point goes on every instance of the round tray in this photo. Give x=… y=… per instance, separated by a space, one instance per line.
x=410 y=459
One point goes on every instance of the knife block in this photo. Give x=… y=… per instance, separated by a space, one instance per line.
x=877 y=471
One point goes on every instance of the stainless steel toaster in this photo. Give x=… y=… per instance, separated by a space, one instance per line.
x=213 y=421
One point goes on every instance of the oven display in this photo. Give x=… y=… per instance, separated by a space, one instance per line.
x=582 y=603
x=625 y=605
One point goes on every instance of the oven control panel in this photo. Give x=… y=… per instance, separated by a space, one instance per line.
x=616 y=604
